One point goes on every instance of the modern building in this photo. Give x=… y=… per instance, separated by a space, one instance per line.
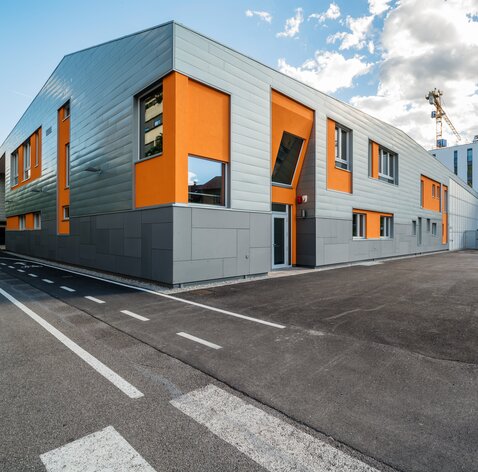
x=462 y=160
x=167 y=156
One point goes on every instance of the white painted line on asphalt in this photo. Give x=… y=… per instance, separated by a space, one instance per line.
x=269 y=441
x=105 y=450
x=134 y=315
x=93 y=299
x=33 y=275
x=105 y=371
x=20 y=270
x=199 y=340
x=170 y=297
x=11 y=267
x=3 y=263
x=68 y=289
x=48 y=281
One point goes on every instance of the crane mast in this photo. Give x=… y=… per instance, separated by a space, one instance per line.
x=434 y=98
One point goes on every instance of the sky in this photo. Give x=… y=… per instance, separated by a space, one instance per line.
x=381 y=56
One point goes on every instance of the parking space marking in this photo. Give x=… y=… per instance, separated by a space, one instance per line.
x=48 y=281
x=101 y=451
x=68 y=289
x=20 y=270
x=134 y=315
x=269 y=441
x=199 y=340
x=33 y=275
x=102 y=369
x=93 y=299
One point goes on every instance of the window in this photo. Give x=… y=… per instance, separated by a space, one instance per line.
x=66 y=212
x=37 y=147
x=387 y=166
x=469 y=167
x=206 y=181
x=414 y=228
x=422 y=187
x=385 y=227
x=66 y=110
x=287 y=157
x=433 y=190
x=445 y=201
x=26 y=160
x=22 y=222
x=455 y=162
x=434 y=229
x=14 y=168
x=358 y=225
x=67 y=165
x=428 y=224
x=342 y=147
x=37 y=220
x=152 y=123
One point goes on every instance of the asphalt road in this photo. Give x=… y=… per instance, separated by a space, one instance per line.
x=382 y=358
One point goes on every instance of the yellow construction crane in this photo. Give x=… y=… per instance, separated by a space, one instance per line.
x=434 y=98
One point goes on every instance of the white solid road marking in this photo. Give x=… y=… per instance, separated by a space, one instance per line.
x=20 y=270
x=134 y=315
x=33 y=275
x=105 y=371
x=104 y=451
x=3 y=263
x=11 y=267
x=170 y=297
x=48 y=281
x=68 y=289
x=93 y=299
x=199 y=340
x=269 y=441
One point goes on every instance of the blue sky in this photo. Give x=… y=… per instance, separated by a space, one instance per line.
x=343 y=48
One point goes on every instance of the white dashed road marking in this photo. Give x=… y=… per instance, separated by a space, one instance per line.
x=33 y=275
x=20 y=270
x=134 y=315
x=199 y=340
x=11 y=267
x=271 y=442
x=93 y=299
x=102 y=369
x=68 y=289
x=105 y=451
x=48 y=281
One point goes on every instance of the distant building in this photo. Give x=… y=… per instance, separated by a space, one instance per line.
x=462 y=160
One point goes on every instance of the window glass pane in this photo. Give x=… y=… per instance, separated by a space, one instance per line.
x=337 y=153
x=279 y=207
x=287 y=157
x=343 y=150
x=206 y=181
x=152 y=109
x=354 y=225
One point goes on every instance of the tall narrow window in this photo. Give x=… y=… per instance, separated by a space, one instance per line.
x=434 y=229
x=445 y=201
x=26 y=160
x=37 y=147
x=66 y=110
x=22 y=222
x=67 y=165
x=37 y=220
x=342 y=148
x=287 y=158
x=422 y=187
x=152 y=123
x=66 y=212
x=433 y=190
x=14 y=168
x=414 y=228
x=455 y=162
x=358 y=225
x=469 y=167
x=385 y=227
x=387 y=166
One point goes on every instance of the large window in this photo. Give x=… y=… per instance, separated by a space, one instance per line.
x=455 y=162
x=386 y=227
x=26 y=160
x=287 y=157
x=387 y=166
x=152 y=123
x=206 y=181
x=342 y=148
x=469 y=167
x=14 y=168
x=358 y=225
x=67 y=165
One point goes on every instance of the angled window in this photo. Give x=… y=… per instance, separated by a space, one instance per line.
x=66 y=110
x=387 y=166
x=386 y=228
x=342 y=147
x=287 y=158
x=151 y=106
x=206 y=181
x=358 y=225
x=14 y=168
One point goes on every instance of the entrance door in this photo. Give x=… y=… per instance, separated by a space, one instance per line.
x=280 y=238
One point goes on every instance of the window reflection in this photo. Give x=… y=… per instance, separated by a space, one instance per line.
x=287 y=157
x=206 y=181
x=152 y=116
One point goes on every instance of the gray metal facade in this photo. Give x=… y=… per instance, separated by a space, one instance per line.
x=177 y=244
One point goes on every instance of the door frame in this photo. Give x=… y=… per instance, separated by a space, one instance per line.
x=285 y=217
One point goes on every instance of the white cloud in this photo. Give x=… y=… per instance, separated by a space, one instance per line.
x=377 y=7
x=327 y=71
x=262 y=15
x=292 y=25
x=332 y=13
x=192 y=178
x=357 y=38
x=417 y=58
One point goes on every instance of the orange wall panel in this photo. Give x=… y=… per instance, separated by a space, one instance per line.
x=13 y=223
x=63 y=193
x=444 y=216
x=35 y=172
x=337 y=179
x=372 y=222
x=29 y=221
x=374 y=160
x=430 y=202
